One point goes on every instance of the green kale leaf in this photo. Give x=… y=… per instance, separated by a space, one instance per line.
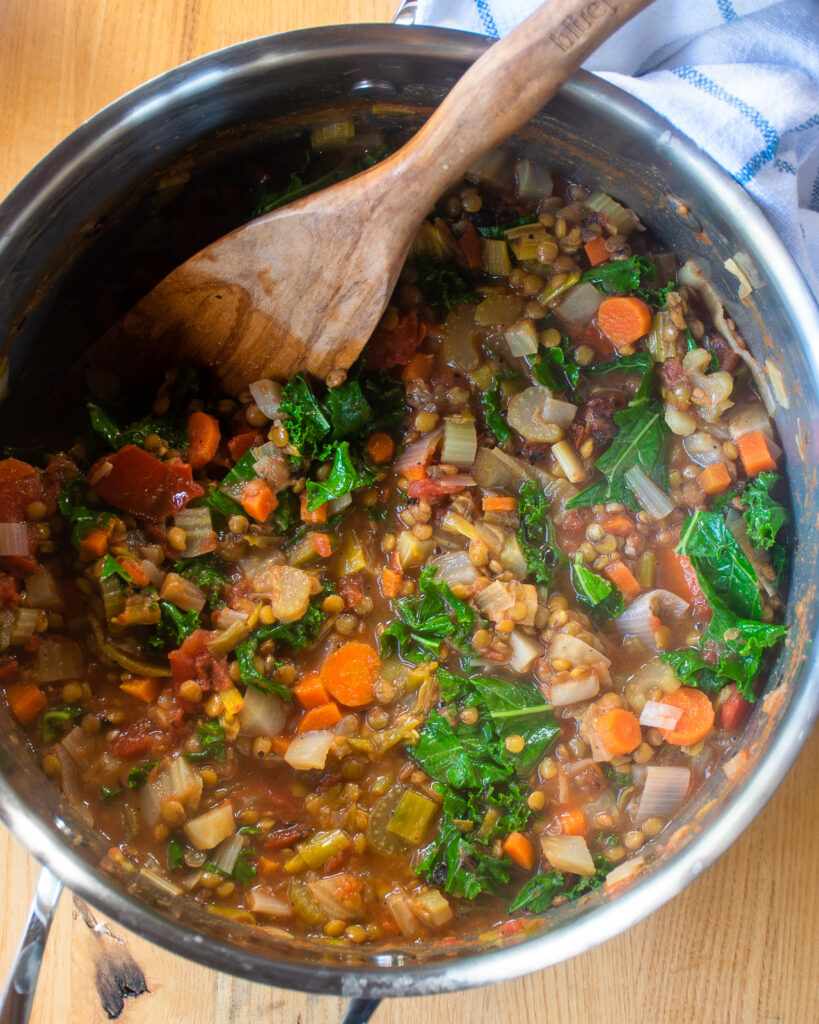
x=764 y=515
x=344 y=477
x=428 y=618
x=604 y=599
x=442 y=285
x=535 y=533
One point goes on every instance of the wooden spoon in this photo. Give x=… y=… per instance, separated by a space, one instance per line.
x=303 y=288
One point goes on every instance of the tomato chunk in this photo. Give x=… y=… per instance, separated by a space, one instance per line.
x=193 y=660
x=142 y=484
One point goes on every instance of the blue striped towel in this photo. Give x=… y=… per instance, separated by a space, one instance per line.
x=739 y=77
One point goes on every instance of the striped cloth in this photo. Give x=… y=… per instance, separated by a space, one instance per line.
x=739 y=77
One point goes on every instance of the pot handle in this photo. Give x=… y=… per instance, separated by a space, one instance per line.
x=15 y=1004
x=405 y=15
x=358 y=1011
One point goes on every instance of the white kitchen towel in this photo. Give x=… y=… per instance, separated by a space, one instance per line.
x=739 y=77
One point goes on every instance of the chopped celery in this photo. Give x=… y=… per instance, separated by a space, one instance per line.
x=303 y=902
x=552 y=291
x=660 y=341
x=352 y=554
x=412 y=816
x=460 y=441
x=645 y=570
x=229 y=639
x=379 y=835
x=432 y=908
x=321 y=846
x=412 y=551
x=495 y=258
x=490 y=820
x=113 y=598
x=619 y=220
x=526 y=245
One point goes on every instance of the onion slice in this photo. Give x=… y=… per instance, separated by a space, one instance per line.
x=656 y=715
x=636 y=619
x=664 y=790
x=267 y=394
x=419 y=453
x=309 y=750
x=651 y=497
x=13 y=539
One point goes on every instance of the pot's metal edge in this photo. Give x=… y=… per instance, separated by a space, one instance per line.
x=663 y=883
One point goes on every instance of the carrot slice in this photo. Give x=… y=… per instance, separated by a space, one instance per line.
x=755 y=453
x=419 y=367
x=621 y=576
x=204 y=436
x=619 y=731
x=390 y=582
x=619 y=525
x=597 y=252
x=323 y=717
x=499 y=503
x=318 y=515
x=519 y=850
x=95 y=543
x=281 y=743
x=380 y=448
x=26 y=701
x=309 y=691
x=146 y=688
x=572 y=821
x=715 y=479
x=350 y=672
x=697 y=717
x=624 y=319
x=258 y=500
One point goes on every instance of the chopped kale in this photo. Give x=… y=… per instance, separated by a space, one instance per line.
x=535 y=534
x=442 y=285
x=138 y=775
x=492 y=408
x=56 y=721
x=212 y=742
x=600 y=596
x=81 y=518
x=427 y=619
x=176 y=858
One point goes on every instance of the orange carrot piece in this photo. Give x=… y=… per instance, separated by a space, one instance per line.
x=280 y=744
x=321 y=544
x=414 y=472
x=715 y=479
x=318 y=515
x=135 y=571
x=380 y=448
x=309 y=691
x=204 y=436
x=620 y=574
x=676 y=573
x=323 y=717
x=697 y=717
x=624 y=319
x=597 y=252
x=258 y=500
x=519 y=850
x=146 y=688
x=26 y=701
x=755 y=453
x=94 y=544
x=350 y=672
x=499 y=503
x=619 y=524
x=390 y=583
x=619 y=731
x=572 y=820
x=419 y=367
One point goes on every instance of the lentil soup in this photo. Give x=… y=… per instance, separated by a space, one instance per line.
x=435 y=644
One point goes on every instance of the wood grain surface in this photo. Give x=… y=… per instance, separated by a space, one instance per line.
x=737 y=947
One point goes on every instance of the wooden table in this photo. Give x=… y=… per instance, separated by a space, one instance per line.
x=738 y=946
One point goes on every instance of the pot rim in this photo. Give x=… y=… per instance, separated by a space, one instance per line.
x=45 y=183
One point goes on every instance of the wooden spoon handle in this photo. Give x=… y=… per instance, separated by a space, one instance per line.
x=506 y=87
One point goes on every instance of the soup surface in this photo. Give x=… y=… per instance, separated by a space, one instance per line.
x=432 y=645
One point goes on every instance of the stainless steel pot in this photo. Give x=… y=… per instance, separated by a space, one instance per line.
x=106 y=178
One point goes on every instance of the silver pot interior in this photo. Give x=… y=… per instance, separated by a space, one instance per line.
x=91 y=228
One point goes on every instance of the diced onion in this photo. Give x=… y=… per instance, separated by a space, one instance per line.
x=652 y=498
x=24 y=624
x=656 y=715
x=309 y=750
x=636 y=619
x=401 y=911
x=521 y=338
x=420 y=452
x=460 y=442
x=325 y=891
x=525 y=651
x=655 y=673
x=534 y=181
x=182 y=593
x=704 y=449
x=264 y=714
x=574 y=690
x=267 y=394
x=748 y=420
x=58 y=659
x=512 y=557
x=579 y=306
x=664 y=790
x=13 y=539
x=263 y=901
x=456 y=569
x=494 y=169
x=537 y=416
x=42 y=591
x=272 y=466
x=494 y=468
x=208 y=830
x=578 y=652
x=568 y=853
x=200 y=537
x=70 y=784
x=411 y=550
x=622 y=874
x=432 y=908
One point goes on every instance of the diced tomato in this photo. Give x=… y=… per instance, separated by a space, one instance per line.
x=20 y=484
x=395 y=347
x=470 y=245
x=283 y=837
x=240 y=444
x=9 y=670
x=571 y=532
x=9 y=597
x=429 y=488
x=193 y=660
x=511 y=927
x=734 y=711
x=138 y=738
x=335 y=863
x=142 y=484
x=350 y=588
